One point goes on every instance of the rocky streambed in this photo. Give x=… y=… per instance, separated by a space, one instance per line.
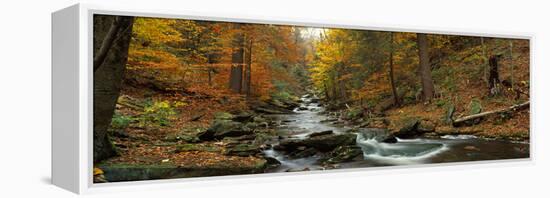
x=301 y=136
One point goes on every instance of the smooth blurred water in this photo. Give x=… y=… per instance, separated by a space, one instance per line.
x=448 y=148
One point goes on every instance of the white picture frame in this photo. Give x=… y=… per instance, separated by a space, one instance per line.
x=72 y=96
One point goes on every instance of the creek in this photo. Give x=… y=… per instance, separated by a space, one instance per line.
x=448 y=148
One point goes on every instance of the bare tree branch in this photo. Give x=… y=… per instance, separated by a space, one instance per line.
x=479 y=115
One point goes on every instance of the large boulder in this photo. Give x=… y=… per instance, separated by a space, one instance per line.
x=426 y=126
x=343 y=154
x=237 y=116
x=259 y=119
x=323 y=143
x=314 y=100
x=320 y=133
x=302 y=153
x=272 y=162
x=407 y=128
x=414 y=127
x=378 y=134
x=243 y=150
x=243 y=116
x=225 y=128
x=135 y=172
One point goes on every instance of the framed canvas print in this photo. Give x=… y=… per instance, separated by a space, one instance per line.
x=148 y=97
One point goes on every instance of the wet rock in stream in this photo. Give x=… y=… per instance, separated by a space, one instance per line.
x=272 y=162
x=327 y=132
x=413 y=127
x=302 y=108
x=378 y=134
x=304 y=152
x=322 y=143
x=343 y=154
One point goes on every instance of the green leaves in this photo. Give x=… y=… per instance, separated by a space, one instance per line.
x=475 y=107
x=120 y=121
x=159 y=113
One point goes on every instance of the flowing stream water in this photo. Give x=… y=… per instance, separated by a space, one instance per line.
x=448 y=148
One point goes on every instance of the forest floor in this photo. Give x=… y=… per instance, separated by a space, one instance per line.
x=153 y=144
x=515 y=127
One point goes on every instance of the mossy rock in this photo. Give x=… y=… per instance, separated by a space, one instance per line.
x=408 y=127
x=378 y=134
x=304 y=153
x=182 y=137
x=225 y=128
x=243 y=116
x=426 y=126
x=136 y=172
x=343 y=154
x=259 y=119
x=243 y=150
x=354 y=113
x=322 y=143
x=408 y=124
x=130 y=172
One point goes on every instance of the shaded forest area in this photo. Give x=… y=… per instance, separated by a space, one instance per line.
x=197 y=96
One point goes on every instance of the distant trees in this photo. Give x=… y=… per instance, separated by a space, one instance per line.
x=363 y=63
x=241 y=69
x=396 y=68
x=266 y=47
x=111 y=42
x=237 y=57
x=360 y=64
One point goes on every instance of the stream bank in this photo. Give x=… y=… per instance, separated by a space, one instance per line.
x=301 y=135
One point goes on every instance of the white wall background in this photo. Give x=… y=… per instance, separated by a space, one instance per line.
x=25 y=98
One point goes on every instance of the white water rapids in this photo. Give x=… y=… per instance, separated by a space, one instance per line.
x=448 y=148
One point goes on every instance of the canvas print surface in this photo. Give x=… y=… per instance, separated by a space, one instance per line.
x=177 y=98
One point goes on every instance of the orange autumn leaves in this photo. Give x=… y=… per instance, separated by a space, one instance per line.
x=197 y=54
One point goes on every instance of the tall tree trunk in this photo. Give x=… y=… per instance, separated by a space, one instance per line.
x=485 y=65
x=424 y=68
x=210 y=77
x=237 y=62
x=210 y=61
x=327 y=96
x=494 y=80
x=108 y=76
x=334 y=88
x=511 y=64
x=248 y=74
x=392 y=81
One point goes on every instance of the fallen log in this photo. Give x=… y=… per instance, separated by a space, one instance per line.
x=483 y=114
